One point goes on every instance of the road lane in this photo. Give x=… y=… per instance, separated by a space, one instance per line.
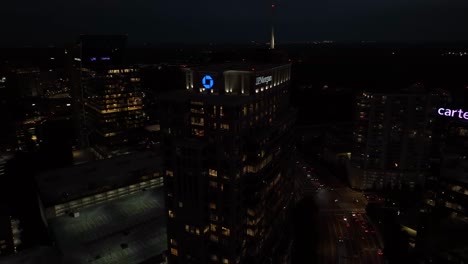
x=336 y=201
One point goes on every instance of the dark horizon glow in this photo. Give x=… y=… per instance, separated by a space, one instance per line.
x=54 y=22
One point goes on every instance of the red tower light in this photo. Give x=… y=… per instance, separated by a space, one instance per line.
x=272 y=6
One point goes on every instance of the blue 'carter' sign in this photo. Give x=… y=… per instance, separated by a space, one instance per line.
x=207 y=82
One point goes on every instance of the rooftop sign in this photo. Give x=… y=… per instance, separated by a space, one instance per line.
x=453 y=113
x=263 y=79
x=207 y=82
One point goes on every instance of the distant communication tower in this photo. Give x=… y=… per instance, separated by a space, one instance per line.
x=272 y=40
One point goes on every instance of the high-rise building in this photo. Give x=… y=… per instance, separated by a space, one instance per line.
x=444 y=217
x=107 y=95
x=227 y=148
x=10 y=232
x=113 y=109
x=7 y=133
x=451 y=190
x=392 y=138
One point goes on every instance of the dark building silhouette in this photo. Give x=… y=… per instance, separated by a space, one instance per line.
x=56 y=145
x=7 y=133
x=100 y=51
x=392 y=138
x=7 y=244
x=227 y=149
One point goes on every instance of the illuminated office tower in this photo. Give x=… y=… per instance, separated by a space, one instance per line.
x=113 y=109
x=392 y=139
x=107 y=99
x=228 y=157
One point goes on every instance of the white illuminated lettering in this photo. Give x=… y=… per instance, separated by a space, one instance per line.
x=453 y=113
x=263 y=79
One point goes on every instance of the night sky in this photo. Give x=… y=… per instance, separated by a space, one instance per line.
x=35 y=22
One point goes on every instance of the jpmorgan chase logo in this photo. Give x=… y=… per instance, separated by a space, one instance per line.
x=207 y=82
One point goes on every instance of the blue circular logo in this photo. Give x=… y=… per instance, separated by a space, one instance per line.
x=207 y=82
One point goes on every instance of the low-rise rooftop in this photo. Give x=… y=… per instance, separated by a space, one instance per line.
x=73 y=182
x=128 y=230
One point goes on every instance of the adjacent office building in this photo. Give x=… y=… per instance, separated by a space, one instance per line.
x=107 y=95
x=392 y=138
x=451 y=192
x=227 y=155
x=444 y=214
x=10 y=233
x=113 y=109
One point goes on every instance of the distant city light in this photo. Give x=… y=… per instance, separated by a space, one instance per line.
x=68 y=104
x=105 y=58
x=93 y=59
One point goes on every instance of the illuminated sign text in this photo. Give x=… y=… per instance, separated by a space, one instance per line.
x=454 y=113
x=263 y=79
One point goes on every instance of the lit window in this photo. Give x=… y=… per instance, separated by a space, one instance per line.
x=214 y=257
x=213 y=173
x=213 y=184
x=173 y=242
x=171 y=214
x=174 y=252
x=251 y=212
x=214 y=238
x=226 y=231
x=181 y=204
x=225 y=261
x=212 y=205
x=221 y=111
x=187 y=228
x=169 y=173
x=213 y=227
x=197 y=231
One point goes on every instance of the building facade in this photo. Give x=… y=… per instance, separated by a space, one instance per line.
x=227 y=155
x=392 y=139
x=113 y=108
x=10 y=233
x=67 y=190
x=107 y=96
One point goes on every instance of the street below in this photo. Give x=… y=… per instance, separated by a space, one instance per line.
x=346 y=234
